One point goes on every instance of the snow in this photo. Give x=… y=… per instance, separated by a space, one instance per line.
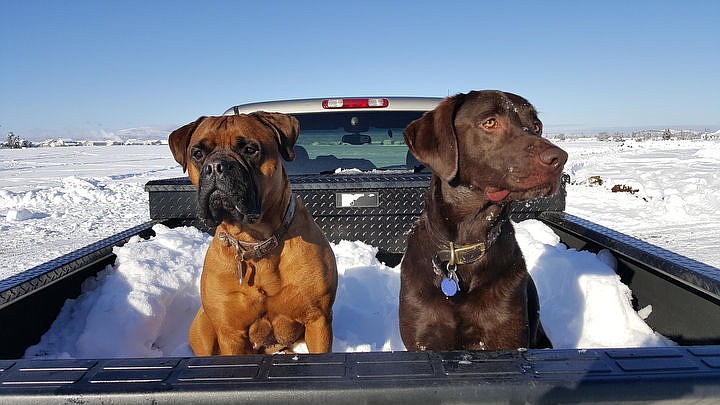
x=677 y=200
x=144 y=304
x=55 y=200
x=583 y=304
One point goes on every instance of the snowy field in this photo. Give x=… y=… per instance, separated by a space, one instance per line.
x=55 y=200
x=675 y=192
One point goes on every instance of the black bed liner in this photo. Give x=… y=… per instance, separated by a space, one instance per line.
x=684 y=294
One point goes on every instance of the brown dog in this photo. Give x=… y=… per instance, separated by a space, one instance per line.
x=464 y=284
x=269 y=277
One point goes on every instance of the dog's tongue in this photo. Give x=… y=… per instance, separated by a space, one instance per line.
x=496 y=194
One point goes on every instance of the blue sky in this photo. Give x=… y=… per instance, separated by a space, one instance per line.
x=71 y=68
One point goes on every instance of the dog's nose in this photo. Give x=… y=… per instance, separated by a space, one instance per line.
x=553 y=157
x=215 y=168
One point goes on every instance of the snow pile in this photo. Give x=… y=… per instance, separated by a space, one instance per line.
x=140 y=307
x=56 y=200
x=583 y=303
x=144 y=304
x=76 y=213
x=365 y=314
x=22 y=214
x=671 y=196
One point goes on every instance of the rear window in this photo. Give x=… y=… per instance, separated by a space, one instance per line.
x=341 y=141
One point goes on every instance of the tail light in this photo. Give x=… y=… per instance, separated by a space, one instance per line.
x=336 y=103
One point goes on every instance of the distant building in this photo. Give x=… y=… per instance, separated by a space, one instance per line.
x=63 y=142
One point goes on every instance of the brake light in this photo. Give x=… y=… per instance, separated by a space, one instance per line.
x=355 y=103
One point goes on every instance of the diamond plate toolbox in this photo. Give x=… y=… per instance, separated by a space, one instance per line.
x=376 y=208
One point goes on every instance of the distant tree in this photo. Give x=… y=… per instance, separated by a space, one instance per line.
x=13 y=141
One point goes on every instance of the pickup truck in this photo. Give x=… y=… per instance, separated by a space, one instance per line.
x=388 y=188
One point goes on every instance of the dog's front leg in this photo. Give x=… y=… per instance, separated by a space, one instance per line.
x=318 y=335
x=232 y=341
x=202 y=336
x=232 y=318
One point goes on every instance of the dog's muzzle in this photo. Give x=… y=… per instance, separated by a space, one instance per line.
x=227 y=191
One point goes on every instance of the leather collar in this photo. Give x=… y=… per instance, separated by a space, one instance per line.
x=255 y=250
x=456 y=254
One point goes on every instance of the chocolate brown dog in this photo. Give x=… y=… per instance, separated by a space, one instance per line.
x=269 y=277
x=464 y=284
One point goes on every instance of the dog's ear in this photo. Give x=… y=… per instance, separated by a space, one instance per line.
x=431 y=138
x=179 y=140
x=286 y=129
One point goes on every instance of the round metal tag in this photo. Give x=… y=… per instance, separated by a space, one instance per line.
x=449 y=286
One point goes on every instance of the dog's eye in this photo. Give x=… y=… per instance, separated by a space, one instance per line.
x=490 y=123
x=198 y=154
x=250 y=149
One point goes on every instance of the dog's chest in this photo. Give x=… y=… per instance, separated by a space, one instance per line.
x=260 y=277
x=225 y=272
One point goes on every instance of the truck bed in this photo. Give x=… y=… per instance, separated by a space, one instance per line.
x=684 y=293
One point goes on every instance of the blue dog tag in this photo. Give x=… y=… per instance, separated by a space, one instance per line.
x=449 y=286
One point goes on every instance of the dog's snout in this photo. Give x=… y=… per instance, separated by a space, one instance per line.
x=553 y=157
x=215 y=168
